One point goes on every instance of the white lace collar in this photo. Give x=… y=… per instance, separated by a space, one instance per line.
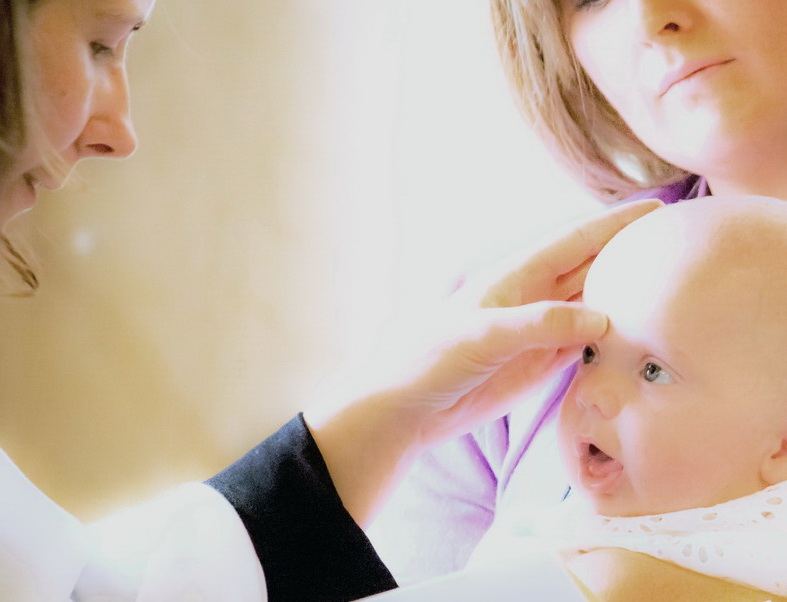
x=743 y=540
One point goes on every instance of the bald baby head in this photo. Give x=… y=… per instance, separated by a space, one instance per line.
x=686 y=392
x=720 y=253
x=716 y=238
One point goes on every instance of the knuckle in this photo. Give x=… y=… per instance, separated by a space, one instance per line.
x=558 y=319
x=586 y=234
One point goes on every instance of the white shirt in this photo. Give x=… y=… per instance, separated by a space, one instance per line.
x=532 y=571
x=187 y=545
x=42 y=547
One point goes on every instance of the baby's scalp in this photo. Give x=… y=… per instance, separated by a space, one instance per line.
x=698 y=290
x=737 y=238
x=708 y=271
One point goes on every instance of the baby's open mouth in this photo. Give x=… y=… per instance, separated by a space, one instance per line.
x=599 y=469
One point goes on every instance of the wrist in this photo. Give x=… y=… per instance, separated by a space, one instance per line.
x=368 y=445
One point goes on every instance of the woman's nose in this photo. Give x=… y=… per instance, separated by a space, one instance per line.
x=655 y=19
x=109 y=131
x=597 y=393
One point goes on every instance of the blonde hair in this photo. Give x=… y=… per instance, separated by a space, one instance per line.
x=565 y=108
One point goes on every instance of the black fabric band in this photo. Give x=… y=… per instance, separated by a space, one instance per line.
x=309 y=546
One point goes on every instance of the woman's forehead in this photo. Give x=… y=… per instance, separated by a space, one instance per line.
x=128 y=12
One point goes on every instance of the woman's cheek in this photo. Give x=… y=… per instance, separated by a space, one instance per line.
x=65 y=93
x=69 y=116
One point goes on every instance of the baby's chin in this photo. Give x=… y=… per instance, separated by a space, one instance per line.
x=628 y=508
x=614 y=508
x=625 y=502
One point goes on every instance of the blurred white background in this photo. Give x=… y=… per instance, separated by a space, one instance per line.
x=307 y=172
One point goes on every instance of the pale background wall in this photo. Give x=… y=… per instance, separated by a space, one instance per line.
x=307 y=171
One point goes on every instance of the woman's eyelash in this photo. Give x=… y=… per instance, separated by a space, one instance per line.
x=588 y=4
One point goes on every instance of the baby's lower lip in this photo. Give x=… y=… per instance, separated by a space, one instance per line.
x=599 y=472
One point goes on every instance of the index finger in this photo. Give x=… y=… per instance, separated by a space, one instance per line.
x=534 y=274
x=588 y=238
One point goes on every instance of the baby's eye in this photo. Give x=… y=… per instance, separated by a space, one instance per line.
x=653 y=373
x=588 y=354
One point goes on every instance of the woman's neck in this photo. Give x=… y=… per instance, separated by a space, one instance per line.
x=761 y=175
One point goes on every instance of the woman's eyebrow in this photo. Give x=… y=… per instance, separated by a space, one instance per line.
x=132 y=20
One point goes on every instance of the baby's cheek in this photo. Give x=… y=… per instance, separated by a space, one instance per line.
x=566 y=431
x=672 y=484
x=566 y=420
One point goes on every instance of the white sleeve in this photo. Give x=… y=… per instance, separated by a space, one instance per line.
x=533 y=571
x=188 y=544
x=42 y=547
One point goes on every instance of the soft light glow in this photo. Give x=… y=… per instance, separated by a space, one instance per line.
x=437 y=173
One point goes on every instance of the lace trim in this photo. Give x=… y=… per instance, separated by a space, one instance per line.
x=743 y=540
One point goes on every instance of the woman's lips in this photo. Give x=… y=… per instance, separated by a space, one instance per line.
x=688 y=70
x=599 y=472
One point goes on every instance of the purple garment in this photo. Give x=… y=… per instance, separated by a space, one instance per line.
x=453 y=494
x=692 y=187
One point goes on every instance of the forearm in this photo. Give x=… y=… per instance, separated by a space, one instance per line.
x=368 y=447
x=440 y=511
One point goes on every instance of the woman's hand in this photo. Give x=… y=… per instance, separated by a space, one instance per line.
x=498 y=339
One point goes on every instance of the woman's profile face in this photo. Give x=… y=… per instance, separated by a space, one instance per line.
x=78 y=72
x=701 y=82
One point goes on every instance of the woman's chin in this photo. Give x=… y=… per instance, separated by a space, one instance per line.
x=17 y=197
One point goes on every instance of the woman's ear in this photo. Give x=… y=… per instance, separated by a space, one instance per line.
x=774 y=466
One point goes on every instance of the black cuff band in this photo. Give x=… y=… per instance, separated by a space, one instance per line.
x=309 y=546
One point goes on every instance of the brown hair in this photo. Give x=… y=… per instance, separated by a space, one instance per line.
x=12 y=121
x=566 y=109
x=14 y=117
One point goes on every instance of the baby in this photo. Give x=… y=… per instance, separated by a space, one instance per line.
x=677 y=416
x=683 y=402
x=674 y=429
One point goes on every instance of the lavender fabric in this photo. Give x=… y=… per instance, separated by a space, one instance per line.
x=453 y=494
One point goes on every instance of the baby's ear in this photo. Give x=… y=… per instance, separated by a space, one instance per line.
x=774 y=467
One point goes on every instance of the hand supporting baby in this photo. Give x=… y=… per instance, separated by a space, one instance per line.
x=498 y=338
